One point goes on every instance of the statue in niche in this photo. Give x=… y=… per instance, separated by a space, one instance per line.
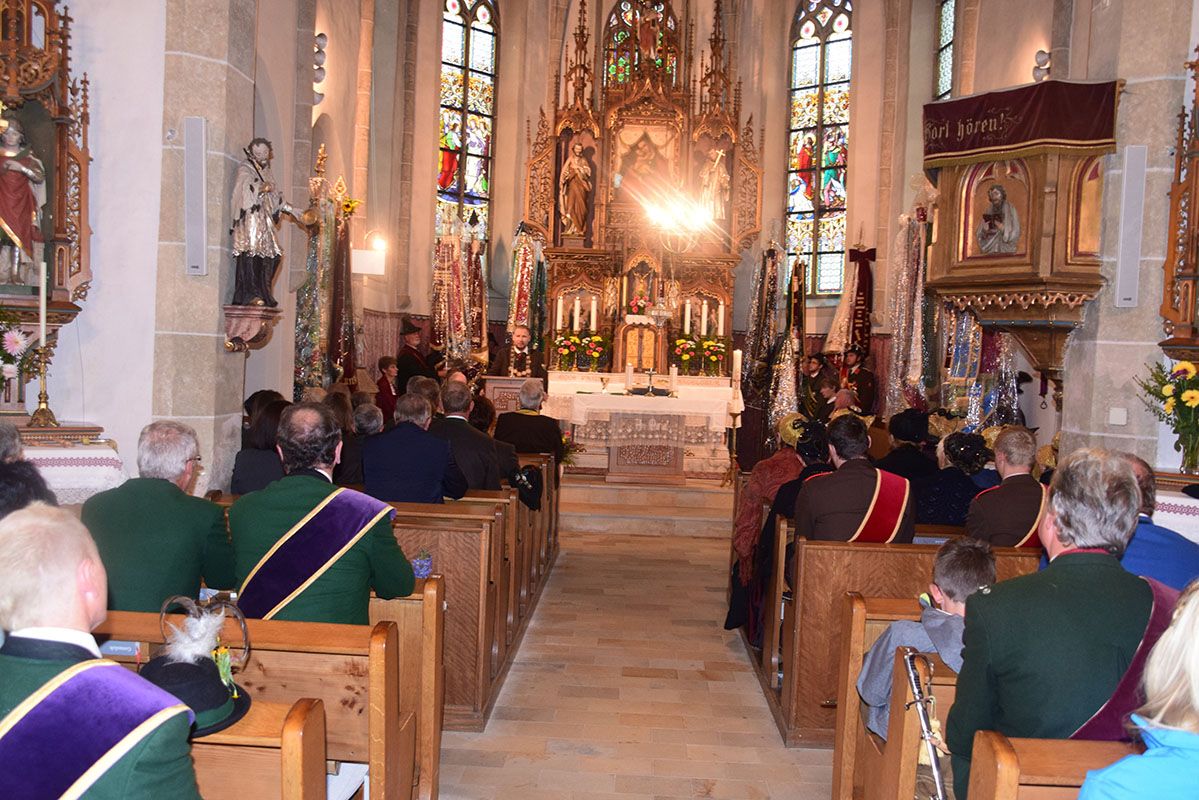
x=639 y=288
x=574 y=192
x=22 y=196
x=714 y=185
x=999 y=230
x=257 y=206
x=649 y=25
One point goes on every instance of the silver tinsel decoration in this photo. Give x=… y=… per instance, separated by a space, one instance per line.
x=763 y=323
x=1007 y=397
x=783 y=399
x=904 y=380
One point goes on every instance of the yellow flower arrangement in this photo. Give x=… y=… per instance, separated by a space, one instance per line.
x=1191 y=398
x=1184 y=369
x=1168 y=390
x=1172 y=395
x=1169 y=405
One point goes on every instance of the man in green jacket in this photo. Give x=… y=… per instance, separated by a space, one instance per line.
x=157 y=540
x=307 y=550
x=1043 y=653
x=69 y=720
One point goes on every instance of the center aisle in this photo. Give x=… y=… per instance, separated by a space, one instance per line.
x=627 y=687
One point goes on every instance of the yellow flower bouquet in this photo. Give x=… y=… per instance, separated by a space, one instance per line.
x=1172 y=395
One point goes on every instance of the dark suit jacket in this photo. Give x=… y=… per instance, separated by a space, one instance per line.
x=907 y=461
x=159 y=765
x=864 y=385
x=255 y=469
x=831 y=507
x=348 y=471
x=155 y=541
x=1043 y=652
x=473 y=451
x=410 y=465
x=1003 y=515
x=501 y=363
x=530 y=432
x=257 y=521
x=506 y=455
x=944 y=498
x=412 y=362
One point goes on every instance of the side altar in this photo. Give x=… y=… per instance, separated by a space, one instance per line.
x=630 y=436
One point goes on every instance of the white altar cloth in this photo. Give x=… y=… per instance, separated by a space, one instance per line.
x=700 y=400
x=1178 y=512
x=76 y=473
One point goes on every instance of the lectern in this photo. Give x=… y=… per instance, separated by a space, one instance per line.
x=503 y=391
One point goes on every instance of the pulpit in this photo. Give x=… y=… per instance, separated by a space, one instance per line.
x=503 y=391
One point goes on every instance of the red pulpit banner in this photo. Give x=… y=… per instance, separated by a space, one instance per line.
x=1043 y=117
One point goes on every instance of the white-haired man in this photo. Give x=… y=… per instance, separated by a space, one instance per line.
x=1057 y=654
x=528 y=430
x=71 y=723
x=156 y=539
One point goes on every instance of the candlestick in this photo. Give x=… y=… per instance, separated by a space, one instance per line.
x=575 y=322
x=594 y=309
x=703 y=319
x=558 y=326
x=41 y=305
x=720 y=320
x=687 y=317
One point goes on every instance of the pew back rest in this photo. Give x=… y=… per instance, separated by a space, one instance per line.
x=1036 y=769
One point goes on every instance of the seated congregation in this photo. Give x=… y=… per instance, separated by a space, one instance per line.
x=313 y=557
x=1006 y=606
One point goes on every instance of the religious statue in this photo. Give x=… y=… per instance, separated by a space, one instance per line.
x=257 y=205
x=714 y=185
x=648 y=27
x=22 y=196
x=999 y=230
x=574 y=192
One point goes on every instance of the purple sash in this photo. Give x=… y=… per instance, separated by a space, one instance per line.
x=307 y=550
x=68 y=733
x=1109 y=723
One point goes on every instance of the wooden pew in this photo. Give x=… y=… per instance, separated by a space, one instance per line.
x=275 y=750
x=509 y=520
x=859 y=754
x=543 y=549
x=804 y=704
x=1036 y=769
x=354 y=669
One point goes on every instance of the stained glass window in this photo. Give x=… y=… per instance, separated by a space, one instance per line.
x=818 y=142
x=469 y=33
x=640 y=34
x=944 y=65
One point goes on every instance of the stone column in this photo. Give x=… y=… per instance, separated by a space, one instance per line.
x=209 y=73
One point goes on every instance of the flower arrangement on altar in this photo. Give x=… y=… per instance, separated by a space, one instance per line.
x=567 y=346
x=14 y=347
x=684 y=351
x=594 y=347
x=571 y=449
x=713 y=352
x=638 y=304
x=1173 y=397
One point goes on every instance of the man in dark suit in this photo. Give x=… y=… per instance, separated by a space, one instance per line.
x=482 y=418
x=61 y=727
x=519 y=361
x=909 y=430
x=528 y=430
x=408 y=464
x=1156 y=551
x=1008 y=515
x=1047 y=655
x=155 y=539
x=307 y=550
x=860 y=379
x=856 y=502
x=410 y=361
x=474 y=452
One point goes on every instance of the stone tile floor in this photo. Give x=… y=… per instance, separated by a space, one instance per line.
x=627 y=687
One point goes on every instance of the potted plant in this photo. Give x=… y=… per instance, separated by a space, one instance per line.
x=567 y=346
x=684 y=353
x=713 y=351
x=422 y=565
x=593 y=348
x=1173 y=397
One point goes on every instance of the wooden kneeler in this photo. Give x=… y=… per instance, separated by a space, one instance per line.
x=1044 y=769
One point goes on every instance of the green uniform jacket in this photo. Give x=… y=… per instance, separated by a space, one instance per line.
x=1043 y=652
x=158 y=766
x=342 y=593
x=157 y=541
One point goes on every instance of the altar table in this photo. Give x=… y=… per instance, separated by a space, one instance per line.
x=627 y=436
x=1178 y=512
x=76 y=473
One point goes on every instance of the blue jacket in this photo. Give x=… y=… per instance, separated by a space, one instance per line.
x=1167 y=770
x=410 y=465
x=1160 y=553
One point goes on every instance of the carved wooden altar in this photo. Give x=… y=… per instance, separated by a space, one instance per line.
x=50 y=108
x=643 y=134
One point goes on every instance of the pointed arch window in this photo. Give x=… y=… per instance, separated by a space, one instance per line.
x=818 y=142
x=469 y=44
x=944 y=59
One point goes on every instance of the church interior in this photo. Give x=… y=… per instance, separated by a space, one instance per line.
x=816 y=299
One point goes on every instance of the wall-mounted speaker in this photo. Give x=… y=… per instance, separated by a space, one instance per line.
x=1132 y=210
x=195 y=195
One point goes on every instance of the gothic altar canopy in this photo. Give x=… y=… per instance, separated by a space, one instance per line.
x=644 y=186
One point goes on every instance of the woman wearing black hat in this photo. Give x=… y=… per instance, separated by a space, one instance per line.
x=944 y=498
x=909 y=431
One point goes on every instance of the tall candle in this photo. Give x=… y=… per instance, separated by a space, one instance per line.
x=628 y=376
x=687 y=317
x=703 y=319
x=575 y=323
x=558 y=327
x=720 y=320
x=674 y=377
x=41 y=305
x=593 y=312
x=736 y=368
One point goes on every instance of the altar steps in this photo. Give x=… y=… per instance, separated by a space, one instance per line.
x=697 y=509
